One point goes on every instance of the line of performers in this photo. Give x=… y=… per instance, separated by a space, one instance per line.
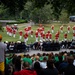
x=39 y=33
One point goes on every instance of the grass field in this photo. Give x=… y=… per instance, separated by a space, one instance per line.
x=46 y=26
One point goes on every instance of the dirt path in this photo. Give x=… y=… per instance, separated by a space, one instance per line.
x=23 y=25
x=31 y=52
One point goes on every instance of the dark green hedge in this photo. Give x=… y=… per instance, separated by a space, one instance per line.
x=18 y=22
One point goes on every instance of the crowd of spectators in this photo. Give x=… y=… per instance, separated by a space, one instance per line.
x=44 y=46
x=15 y=46
x=62 y=63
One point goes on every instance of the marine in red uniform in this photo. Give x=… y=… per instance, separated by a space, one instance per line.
x=25 y=37
x=57 y=37
x=26 y=30
x=29 y=29
x=73 y=29
x=36 y=36
x=50 y=37
x=10 y=31
x=68 y=28
x=73 y=36
x=52 y=27
x=48 y=31
x=15 y=27
x=47 y=35
x=20 y=33
x=38 y=30
x=31 y=33
x=14 y=33
x=43 y=29
x=61 y=29
x=7 y=27
x=43 y=36
x=65 y=36
x=40 y=25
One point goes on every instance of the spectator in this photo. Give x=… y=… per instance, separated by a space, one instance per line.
x=7 y=69
x=50 y=70
x=36 y=60
x=27 y=59
x=18 y=63
x=2 y=55
x=26 y=70
x=63 y=65
x=44 y=63
x=37 y=68
x=70 y=69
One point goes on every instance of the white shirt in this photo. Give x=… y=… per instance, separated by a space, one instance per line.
x=43 y=64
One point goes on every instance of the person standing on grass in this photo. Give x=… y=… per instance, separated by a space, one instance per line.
x=73 y=29
x=73 y=36
x=52 y=27
x=65 y=36
x=50 y=36
x=61 y=29
x=68 y=28
x=57 y=35
x=14 y=33
x=46 y=36
x=36 y=36
x=25 y=37
x=2 y=55
x=31 y=32
x=20 y=33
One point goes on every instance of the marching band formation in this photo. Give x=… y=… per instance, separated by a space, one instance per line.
x=40 y=34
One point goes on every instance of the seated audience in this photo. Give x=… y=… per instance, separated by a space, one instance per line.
x=26 y=70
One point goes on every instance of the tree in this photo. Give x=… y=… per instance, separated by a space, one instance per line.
x=1 y=28
x=43 y=15
x=40 y=3
x=34 y=15
x=64 y=18
x=47 y=15
x=3 y=11
x=28 y=7
x=15 y=6
x=58 y=6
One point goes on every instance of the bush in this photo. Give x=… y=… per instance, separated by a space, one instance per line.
x=18 y=22
x=1 y=28
x=22 y=21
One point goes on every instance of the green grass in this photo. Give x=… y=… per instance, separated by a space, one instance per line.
x=46 y=26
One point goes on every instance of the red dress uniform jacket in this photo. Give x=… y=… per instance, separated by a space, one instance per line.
x=25 y=72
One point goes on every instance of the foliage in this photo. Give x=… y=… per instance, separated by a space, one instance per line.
x=36 y=9
x=58 y=6
x=1 y=28
x=64 y=17
x=40 y=3
x=14 y=5
x=3 y=11
x=28 y=7
x=43 y=15
x=19 y=21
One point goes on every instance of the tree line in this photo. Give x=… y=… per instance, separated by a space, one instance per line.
x=39 y=11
